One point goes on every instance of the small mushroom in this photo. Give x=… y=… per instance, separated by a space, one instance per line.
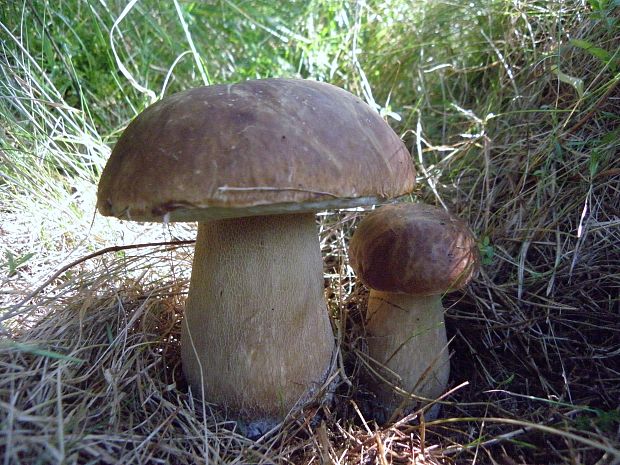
x=410 y=255
x=251 y=163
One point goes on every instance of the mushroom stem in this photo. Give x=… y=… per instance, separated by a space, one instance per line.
x=407 y=335
x=256 y=335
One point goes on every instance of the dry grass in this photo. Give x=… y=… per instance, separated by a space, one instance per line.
x=90 y=364
x=96 y=378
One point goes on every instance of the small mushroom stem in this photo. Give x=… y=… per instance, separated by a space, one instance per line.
x=256 y=336
x=407 y=335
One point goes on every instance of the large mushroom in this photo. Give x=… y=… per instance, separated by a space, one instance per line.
x=251 y=163
x=410 y=255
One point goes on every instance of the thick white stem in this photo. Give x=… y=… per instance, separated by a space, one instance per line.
x=256 y=335
x=407 y=335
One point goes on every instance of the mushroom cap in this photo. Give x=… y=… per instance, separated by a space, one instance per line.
x=413 y=249
x=253 y=148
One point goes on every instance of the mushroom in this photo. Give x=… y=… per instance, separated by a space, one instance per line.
x=410 y=255
x=251 y=163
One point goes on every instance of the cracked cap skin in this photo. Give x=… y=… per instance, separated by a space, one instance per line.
x=253 y=148
x=413 y=249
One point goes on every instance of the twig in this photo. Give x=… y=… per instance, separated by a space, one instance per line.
x=116 y=248
x=538 y=427
x=274 y=189
x=502 y=437
x=380 y=449
x=590 y=113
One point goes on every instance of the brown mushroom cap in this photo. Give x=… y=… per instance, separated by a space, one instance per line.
x=253 y=148
x=413 y=249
